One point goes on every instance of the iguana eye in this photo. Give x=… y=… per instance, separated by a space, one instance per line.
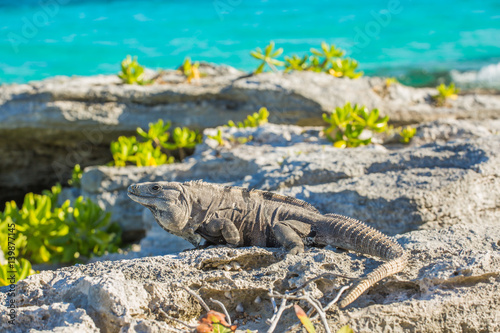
x=155 y=188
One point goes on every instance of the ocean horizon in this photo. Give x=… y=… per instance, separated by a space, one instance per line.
x=416 y=41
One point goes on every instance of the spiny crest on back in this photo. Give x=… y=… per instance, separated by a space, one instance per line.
x=287 y=200
x=266 y=195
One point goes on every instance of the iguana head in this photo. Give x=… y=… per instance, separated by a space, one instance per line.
x=167 y=201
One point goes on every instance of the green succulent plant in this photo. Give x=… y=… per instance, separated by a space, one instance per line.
x=445 y=93
x=21 y=268
x=407 y=133
x=267 y=57
x=345 y=329
x=329 y=53
x=350 y=126
x=390 y=81
x=296 y=63
x=345 y=68
x=157 y=141
x=132 y=72
x=241 y=139
x=254 y=120
x=157 y=132
x=149 y=155
x=38 y=223
x=218 y=137
x=48 y=233
x=91 y=232
x=190 y=70
x=184 y=138
x=76 y=176
x=124 y=149
x=127 y=150
x=370 y=119
x=328 y=59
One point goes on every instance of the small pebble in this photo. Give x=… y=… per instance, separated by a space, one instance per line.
x=239 y=308
x=257 y=300
x=228 y=294
x=236 y=265
x=227 y=267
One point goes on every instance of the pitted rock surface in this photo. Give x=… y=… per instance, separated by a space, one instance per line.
x=453 y=272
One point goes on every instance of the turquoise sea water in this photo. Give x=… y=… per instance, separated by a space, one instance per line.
x=39 y=39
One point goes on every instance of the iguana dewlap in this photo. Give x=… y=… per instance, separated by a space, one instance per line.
x=240 y=217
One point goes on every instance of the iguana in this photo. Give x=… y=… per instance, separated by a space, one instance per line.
x=237 y=216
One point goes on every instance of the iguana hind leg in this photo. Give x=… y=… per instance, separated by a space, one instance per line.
x=288 y=238
x=225 y=228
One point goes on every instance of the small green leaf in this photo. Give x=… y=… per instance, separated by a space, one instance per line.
x=345 y=329
x=304 y=319
x=267 y=57
x=132 y=72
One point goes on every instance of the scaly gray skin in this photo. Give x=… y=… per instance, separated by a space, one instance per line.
x=241 y=217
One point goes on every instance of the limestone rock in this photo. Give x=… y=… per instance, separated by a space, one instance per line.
x=55 y=317
x=46 y=127
x=453 y=273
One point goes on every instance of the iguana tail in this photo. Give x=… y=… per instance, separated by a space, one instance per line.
x=386 y=269
x=354 y=235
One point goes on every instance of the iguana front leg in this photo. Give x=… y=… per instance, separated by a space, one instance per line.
x=288 y=238
x=223 y=227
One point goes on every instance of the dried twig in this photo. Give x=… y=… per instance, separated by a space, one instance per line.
x=273 y=302
x=178 y=321
x=319 y=277
x=312 y=301
x=192 y=293
x=276 y=317
x=319 y=310
x=336 y=299
x=223 y=309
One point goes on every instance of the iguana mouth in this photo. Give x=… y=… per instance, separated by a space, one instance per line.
x=133 y=195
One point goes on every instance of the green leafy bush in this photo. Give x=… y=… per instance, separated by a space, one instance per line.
x=22 y=269
x=254 y=120
x=91 y=232
x=10 y=244
x=129 y=151
x=132 y=72
x=267 y=57
x=445 y=93
x=157 y=142
x=48 y=233
x=38 y=222
x=407 y=134
x=351 y=126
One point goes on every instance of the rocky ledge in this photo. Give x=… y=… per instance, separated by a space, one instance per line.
x=439 y=197
x=48 y=126
x=452 y=284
